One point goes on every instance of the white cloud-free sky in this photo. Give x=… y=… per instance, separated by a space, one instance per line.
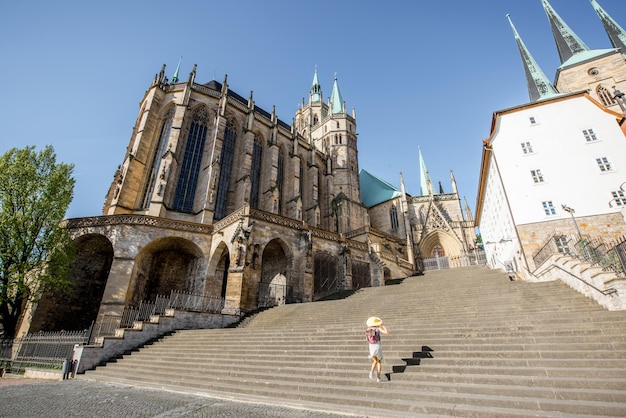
x=423 y=74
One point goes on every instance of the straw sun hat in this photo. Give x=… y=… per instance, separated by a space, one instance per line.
x=374 y=321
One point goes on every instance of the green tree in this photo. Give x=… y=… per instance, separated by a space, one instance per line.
x=35 y=247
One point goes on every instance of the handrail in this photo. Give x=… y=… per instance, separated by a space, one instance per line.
x=609 y=291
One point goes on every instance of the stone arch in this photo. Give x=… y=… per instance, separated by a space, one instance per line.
x=164 y=265
x=386 y=274
x=217 y=280
x=275 y=287
x=325 y=270
x=361 y=274
x=440 y=243
x=88 y=275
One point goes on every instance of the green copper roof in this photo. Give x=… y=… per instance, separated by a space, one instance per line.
x=375 y=190
x=567 y=42
x=336 y=102
x=175 y=76
x=584 y=56
x=539 y=86
x=316 y=89
x=615 y=31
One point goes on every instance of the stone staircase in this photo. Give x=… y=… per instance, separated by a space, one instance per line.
x=463 y=342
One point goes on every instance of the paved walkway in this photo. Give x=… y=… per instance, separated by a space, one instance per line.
x=79 y=398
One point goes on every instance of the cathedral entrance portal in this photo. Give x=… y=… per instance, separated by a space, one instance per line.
x=439 y=249
x=273 y=288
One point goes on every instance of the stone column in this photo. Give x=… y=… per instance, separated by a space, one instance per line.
x=116 y=290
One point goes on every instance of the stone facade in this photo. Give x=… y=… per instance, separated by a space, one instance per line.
x=218 y=197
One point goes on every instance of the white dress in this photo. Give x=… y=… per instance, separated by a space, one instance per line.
x=376 y=349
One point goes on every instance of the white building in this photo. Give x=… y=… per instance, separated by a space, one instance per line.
x=557 y=165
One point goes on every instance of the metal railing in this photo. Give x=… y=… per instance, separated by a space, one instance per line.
x=271 y=294
x=609 y=256
x=470 y=258
x=109 y=324
x=42 y=349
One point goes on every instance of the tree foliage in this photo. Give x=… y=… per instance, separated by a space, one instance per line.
x=35 y=247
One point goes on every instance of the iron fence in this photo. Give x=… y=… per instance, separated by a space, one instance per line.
x=470 y=258
x=42 y=349
x=609 y=255
x=182 y=301
x=620 y=252
x=272 y=294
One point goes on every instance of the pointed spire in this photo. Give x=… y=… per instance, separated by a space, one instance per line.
x=468 y=212
x=336 y=102
x=615 y=31
x=425 y=183
x=192 y=74
x=567 y=42
x=316 y=89
x=453 y=182
x=175 y=76
x=539 y=86
x=402 y=184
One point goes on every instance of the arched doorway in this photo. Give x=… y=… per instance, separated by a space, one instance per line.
x=163 y=266
x=217 y=281
x=274 y=288
x=324 y=274
x=77 y=309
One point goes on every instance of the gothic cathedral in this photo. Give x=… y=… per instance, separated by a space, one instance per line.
x=219 y=198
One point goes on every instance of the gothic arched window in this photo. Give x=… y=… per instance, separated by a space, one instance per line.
x=226 y=166
x=191 y=159
x=255 y=171
x=393 y=216
x=605 y=96
x=280 y=175
x=155 y=161
x=301 y=179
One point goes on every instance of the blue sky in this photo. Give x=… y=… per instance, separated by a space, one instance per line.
x=418 y=73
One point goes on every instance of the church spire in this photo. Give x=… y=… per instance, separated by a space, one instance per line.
x=426 y=186
x=316 y=89
x=567 y=42
x=336 y=102
x=539 y=86
x=175 y=76
x=615 y=31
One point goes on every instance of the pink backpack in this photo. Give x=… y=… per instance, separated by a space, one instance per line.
x=372 y=336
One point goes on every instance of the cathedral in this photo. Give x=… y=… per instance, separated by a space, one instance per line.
x=220 y=198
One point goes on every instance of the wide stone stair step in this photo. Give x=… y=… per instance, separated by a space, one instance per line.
x=464 y=342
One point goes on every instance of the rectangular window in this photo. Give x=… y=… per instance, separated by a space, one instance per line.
x=532 y=120
x=604 y=164
x=619 y=197
x=527 y=148
x=537 y=176
x=548 y=208
x=590 y=135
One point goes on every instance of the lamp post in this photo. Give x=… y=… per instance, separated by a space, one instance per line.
x=580 y=237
